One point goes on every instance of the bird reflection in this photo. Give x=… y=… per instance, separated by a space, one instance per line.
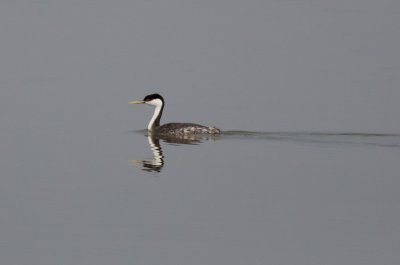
x=157 y=162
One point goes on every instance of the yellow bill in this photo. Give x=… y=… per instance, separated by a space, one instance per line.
x=136 y=102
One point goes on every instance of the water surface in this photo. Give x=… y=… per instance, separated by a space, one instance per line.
x=309 y=175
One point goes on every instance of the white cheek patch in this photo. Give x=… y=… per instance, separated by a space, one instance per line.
x=155 y=102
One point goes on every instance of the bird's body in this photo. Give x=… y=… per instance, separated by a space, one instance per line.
x=172 y=129
x=185 y=128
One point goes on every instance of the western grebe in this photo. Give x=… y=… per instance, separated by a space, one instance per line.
x=176 y=129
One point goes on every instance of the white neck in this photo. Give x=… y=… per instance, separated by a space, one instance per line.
x=157 y=110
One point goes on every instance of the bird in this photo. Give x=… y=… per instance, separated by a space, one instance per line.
x=171 y=129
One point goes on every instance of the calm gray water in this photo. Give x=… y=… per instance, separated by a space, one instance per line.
x=306 y=171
